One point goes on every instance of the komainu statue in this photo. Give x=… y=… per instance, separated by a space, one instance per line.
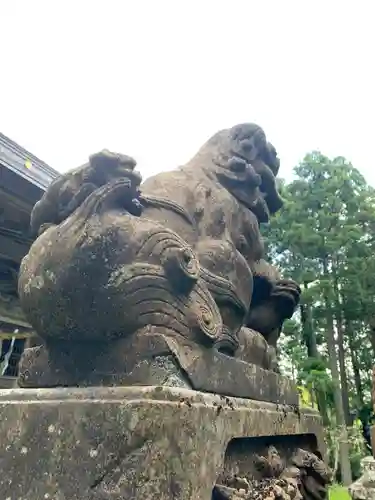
x=160 y=294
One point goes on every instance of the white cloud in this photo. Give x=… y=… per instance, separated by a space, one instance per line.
x=155 y=79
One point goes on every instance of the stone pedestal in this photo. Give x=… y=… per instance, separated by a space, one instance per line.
x=137 y=442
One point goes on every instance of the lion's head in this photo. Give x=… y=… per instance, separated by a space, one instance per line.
x=246 y=164
x=70 y=189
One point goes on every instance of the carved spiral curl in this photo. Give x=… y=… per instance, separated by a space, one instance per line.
x=182 y=267
x=205 y=324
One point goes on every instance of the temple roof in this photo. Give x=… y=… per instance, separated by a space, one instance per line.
x=23 y=179
x=25 y=164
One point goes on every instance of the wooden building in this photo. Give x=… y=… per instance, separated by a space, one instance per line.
x=23 y=179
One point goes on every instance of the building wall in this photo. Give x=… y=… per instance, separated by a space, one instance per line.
x=23 y=179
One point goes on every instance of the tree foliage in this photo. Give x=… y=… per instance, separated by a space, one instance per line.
x=324 y=238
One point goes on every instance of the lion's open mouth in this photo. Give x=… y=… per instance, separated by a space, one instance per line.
x=263 y=200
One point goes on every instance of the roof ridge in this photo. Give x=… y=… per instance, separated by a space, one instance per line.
x=27 y=155
x=19 y=160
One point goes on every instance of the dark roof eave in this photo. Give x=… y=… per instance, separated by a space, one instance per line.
x=25 y=175
x=14 y=157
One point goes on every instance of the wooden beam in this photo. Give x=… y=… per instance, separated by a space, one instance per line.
x=14 y=322
x=8 y=382
x=11 y=328
x=12 y=250
x=17 y=336
x=14 y=201
x=11 y=313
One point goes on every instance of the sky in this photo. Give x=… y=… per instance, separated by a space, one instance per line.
x=155 y=78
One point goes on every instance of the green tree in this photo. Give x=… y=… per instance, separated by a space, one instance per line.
x=323 y=239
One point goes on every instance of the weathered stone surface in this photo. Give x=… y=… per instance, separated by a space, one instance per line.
x=220 y=374
x=364 y=487
x=67 y=192
x=284 y=473
x=273 y=300
x=225 y=190
x=181 y=252
x=118 y=363
x=151 y=291
x=254 y=349
x=134 y=443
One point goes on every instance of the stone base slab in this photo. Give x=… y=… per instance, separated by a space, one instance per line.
x=132 y=442
x=63 y=364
